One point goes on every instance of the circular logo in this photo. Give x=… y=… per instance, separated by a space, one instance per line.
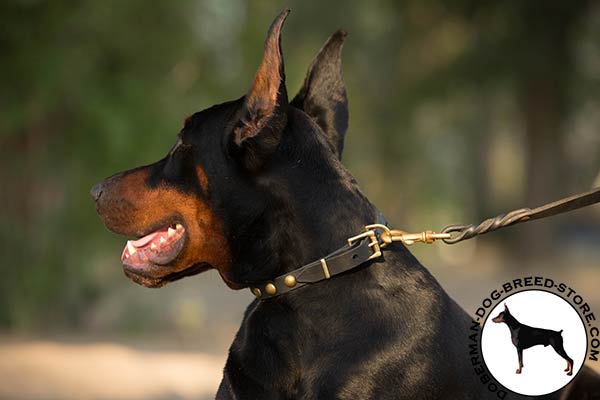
x=533 y=342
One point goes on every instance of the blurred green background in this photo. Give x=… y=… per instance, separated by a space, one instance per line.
x=460 y=110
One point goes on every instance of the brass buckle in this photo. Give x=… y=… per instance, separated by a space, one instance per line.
x=373 y=241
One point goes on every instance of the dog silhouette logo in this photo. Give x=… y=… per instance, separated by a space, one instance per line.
x=525 y=336
x=540 y=333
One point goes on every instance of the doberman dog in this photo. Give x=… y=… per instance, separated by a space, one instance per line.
x=255 y=188
x=524 y=337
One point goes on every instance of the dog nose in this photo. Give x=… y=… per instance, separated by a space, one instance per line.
x=96 y=191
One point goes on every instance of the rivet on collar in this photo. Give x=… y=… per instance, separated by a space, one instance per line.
x=270 y=289
x=290 y=281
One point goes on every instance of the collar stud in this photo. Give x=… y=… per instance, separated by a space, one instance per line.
x=270 y=289
x=289 y=280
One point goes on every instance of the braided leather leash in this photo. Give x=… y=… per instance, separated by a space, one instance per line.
x=457 y=233
x=464 y=232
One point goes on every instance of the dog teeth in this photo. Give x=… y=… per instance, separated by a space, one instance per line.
x=162 y=240
x=131 y=248
x=179 y=226
x=171 y=231
x=153 y=246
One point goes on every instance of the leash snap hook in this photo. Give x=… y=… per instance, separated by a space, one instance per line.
x=408 y=238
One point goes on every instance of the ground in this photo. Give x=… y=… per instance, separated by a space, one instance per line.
x=54 y=370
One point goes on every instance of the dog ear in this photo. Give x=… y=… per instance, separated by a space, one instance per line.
x=264 y=113
x=323 y=94
x=506 y=308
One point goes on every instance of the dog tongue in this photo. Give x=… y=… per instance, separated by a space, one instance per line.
x=144 y=240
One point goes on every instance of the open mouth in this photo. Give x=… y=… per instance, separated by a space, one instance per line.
x=157 y=248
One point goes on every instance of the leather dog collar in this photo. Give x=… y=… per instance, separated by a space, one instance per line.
x=341 y=260
x=358 y=250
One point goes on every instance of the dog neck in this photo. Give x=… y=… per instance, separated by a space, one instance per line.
x=307 y=235
x=511 y=321
x=314 y=205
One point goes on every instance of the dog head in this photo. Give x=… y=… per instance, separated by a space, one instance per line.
x=502 y=316
x=244 y=180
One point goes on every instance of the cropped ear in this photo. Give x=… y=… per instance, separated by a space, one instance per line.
x=506 y=308
x=264 y=114
x=323 y=94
